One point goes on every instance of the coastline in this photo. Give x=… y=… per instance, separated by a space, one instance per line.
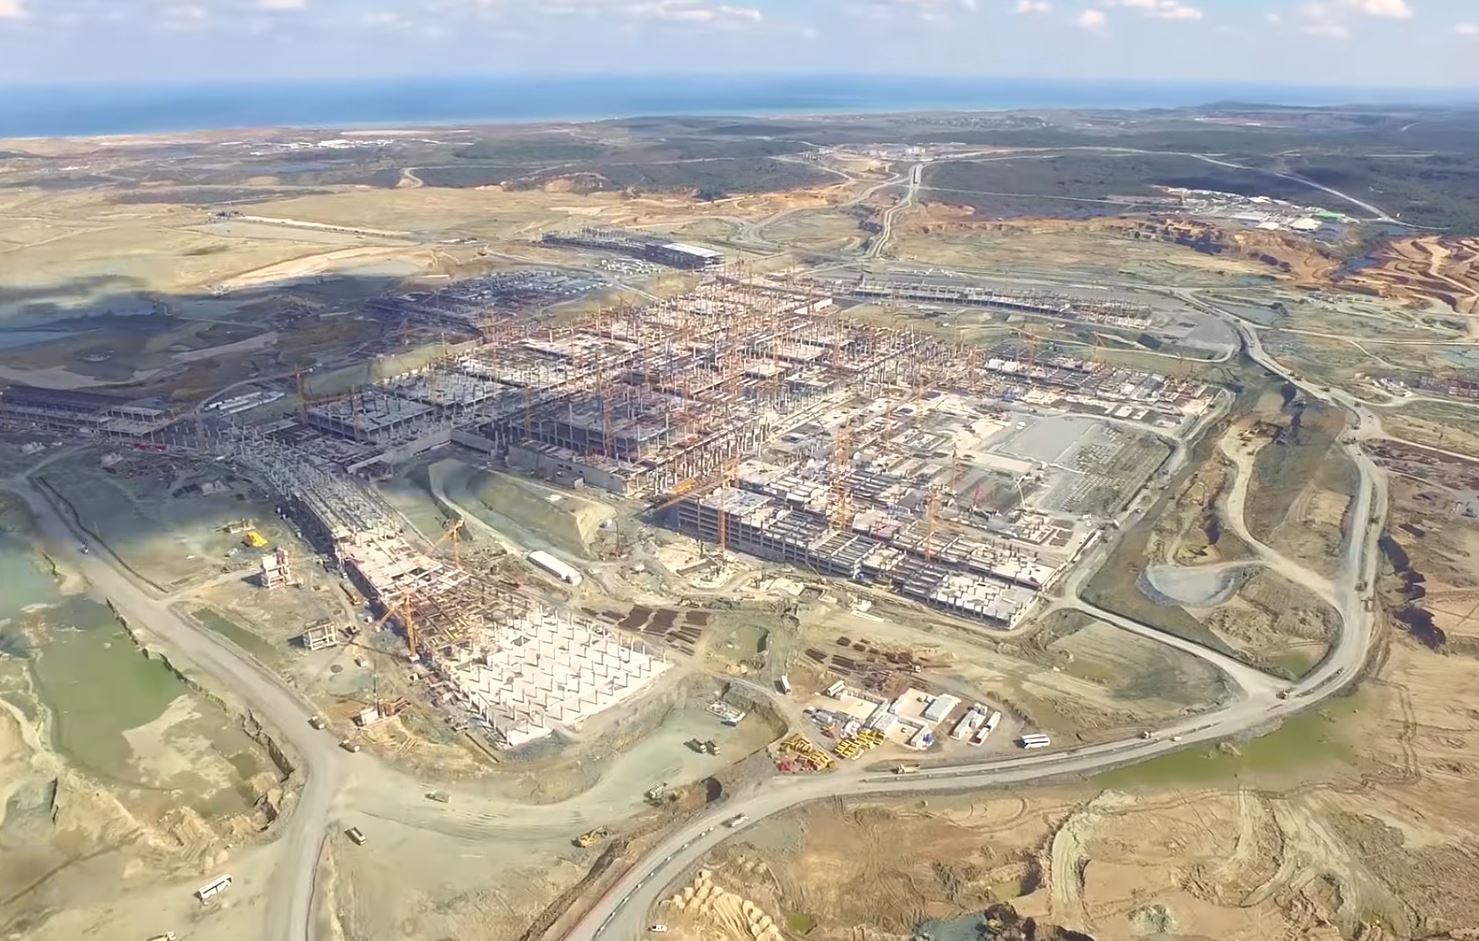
x=54 y=111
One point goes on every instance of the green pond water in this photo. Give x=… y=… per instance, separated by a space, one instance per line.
x=248 y=641
x=94 y=680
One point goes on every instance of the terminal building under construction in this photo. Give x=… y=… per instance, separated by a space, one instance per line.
x=751 y=416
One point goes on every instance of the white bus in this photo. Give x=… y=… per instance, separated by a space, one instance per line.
x=1034 y=740
x=213 y=888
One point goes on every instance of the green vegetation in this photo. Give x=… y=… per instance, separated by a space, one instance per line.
x=715 y=176
x=1287 y=466
x=1088 y=184
x=1311 y=739
x=1296 y=663
x=559 y=149
x=468 y=177
x=238 y=635
x=1440 y=191
x=801 y=924
x=712 y=167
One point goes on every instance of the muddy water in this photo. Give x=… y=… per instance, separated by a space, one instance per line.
x=965 y=928
x=23 y=573
x=97 y=685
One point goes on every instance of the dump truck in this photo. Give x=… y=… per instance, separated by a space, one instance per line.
x=350 y=747
x=591 y=837
x=317 y=722
x=907 y=769
x=357 y=835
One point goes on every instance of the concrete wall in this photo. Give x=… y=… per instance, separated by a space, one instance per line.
x=560 y=471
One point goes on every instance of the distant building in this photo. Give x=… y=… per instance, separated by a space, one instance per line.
x=683 y=255
x=84 y=412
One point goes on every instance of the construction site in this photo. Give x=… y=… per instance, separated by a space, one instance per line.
x=753 y=415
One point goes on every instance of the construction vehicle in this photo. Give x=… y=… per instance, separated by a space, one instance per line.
x=317 y=722
x=352 y=595
x=357 y=835
x=907 y=769
x=655 y=794
x=254 y=540
x=709 y=747
x=797 y=749
x=167 y=936
x=441 y=797
x=350 y=747
x=736 y=821
x=591 y=837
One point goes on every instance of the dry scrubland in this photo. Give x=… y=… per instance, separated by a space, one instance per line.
x=1355 y=820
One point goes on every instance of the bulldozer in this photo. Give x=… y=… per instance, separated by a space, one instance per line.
x=591 y=837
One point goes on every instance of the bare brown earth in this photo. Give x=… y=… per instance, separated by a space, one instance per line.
x=1183 y=242
x=1370 y=834
x=1424 y=270
x=1192 y=532
x=1302 y=262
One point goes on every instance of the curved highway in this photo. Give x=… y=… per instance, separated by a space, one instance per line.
x=620 y=914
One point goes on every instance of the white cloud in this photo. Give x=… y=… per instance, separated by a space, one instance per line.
x=182 y=17
x=382 y=18
x=1029 y=7
x=1327 y=30
x=1333 y=19
x=1467 y=29
x=930 y=11
x=283 y=4
x=1391 y=9
x=13 y=10
x=1091 y=20
x=692 y=11
x=1159 y=9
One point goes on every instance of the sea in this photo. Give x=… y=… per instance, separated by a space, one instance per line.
x=75 y=110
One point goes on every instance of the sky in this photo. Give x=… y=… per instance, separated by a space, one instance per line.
x=1362 y=43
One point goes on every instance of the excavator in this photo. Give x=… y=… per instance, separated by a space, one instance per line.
x=592 y=837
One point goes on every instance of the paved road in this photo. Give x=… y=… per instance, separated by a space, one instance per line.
x=289 y=899
x=620 y=914
x=916 y=176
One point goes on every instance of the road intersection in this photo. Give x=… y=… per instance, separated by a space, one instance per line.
x=621 y=913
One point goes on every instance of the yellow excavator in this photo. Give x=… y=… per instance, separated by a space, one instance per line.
x=591 y=837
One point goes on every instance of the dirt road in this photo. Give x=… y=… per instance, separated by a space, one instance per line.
x=619 y=915
x=288 y=900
